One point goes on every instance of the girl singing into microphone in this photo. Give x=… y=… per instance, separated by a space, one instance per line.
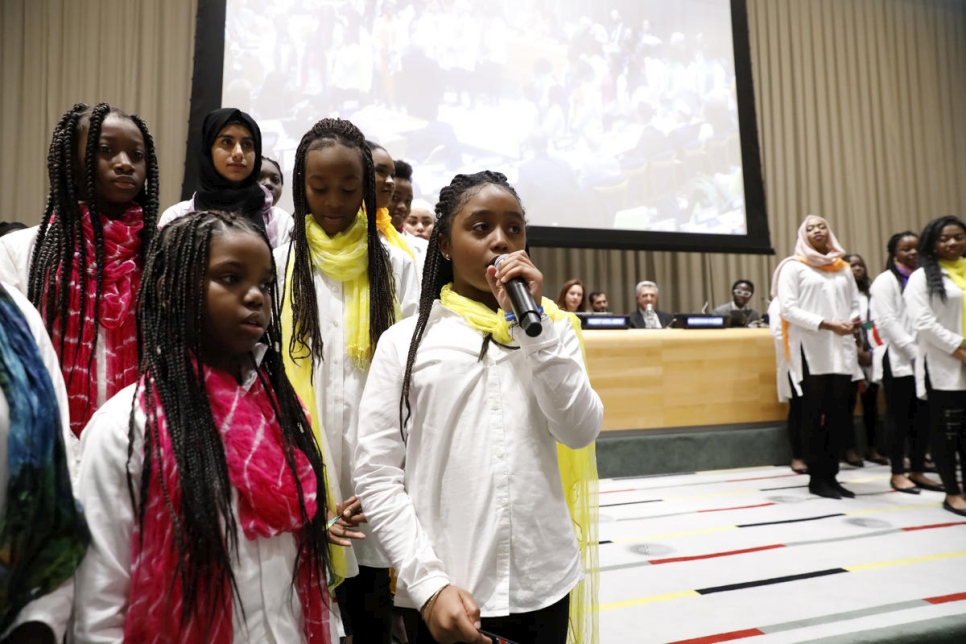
x=475 y=456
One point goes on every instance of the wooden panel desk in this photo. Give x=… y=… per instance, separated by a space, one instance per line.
x=679 y=378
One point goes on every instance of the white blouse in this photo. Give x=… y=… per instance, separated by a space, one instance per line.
x=16 y=250
x=473 y=495
x=338 y=383
x=893 y=327
x=263 y=567
x=52 y=609
x=278 y=225
x=419 y=247
x=809 y=296
x=939 y=329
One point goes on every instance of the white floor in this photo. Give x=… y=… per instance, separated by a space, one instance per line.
x=878 y=560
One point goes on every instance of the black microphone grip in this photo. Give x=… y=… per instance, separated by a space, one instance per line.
x=524 y=307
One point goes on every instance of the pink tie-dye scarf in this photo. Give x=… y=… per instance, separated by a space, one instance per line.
x=122 y=276
x=267 y=506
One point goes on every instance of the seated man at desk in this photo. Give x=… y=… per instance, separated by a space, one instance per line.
x=598 y=302
x=647 y=296
x=737 y=309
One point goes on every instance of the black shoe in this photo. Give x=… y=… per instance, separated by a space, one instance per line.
x=946 y=506
x=930 y=487
x=823 y=488
x=848 y=494
x=904 y=490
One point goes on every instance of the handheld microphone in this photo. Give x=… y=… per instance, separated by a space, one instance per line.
x=524 y=308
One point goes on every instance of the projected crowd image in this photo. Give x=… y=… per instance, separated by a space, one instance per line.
x=617 y=114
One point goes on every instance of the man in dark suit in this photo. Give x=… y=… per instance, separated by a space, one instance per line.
x=647 y=294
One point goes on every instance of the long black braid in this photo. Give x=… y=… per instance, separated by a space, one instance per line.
x=437 y=270
x=61 y=235
x=170 y=306
x=891 y=247
x=382 y=293
x=928 y=260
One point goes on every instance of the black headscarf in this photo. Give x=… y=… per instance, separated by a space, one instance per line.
x=215 y=191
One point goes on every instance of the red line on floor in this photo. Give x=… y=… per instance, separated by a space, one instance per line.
x=956 y=597
x=631 y=489
x=722 y=637
x=714 y=555
x=935 y=525
x=762 y=478
x=737 y=507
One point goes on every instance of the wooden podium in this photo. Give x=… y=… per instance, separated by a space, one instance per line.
x=664 y=378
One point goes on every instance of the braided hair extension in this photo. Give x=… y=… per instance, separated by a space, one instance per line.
x=170 y=306
x=382 y=291
x=437 y=270
x=865 y=283
x=928 y=260
x=891 y=247
x=61 y=235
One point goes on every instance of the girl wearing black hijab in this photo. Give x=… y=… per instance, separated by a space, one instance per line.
x=230 y=162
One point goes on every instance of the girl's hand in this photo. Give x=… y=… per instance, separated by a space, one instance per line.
x=342 y=525
x=514 y=265
x=960 y=354
x=838 y=327
x=453 y=616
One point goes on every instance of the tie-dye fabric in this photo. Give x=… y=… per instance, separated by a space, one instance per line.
x=267 y=506
x=43 y=535
x=122 y=276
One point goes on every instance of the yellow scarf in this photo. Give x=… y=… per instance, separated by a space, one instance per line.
x=578 y=468
x=956 y=270
x=838 y=265
x=384 y=225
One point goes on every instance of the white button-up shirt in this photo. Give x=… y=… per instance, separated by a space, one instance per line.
x=939 y=332
x=16 y=250
x=338 y=383
x=263 y=567
x=893 y=327
x=52 y=609
x=473 y=496
x=809 y=296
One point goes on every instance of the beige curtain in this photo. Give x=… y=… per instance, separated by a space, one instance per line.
x=858 y=101
x=860 y=107
x=136 y=55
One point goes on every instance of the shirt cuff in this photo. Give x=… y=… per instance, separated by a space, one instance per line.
x=424 y=590
x=548 y=336
x=53 y=609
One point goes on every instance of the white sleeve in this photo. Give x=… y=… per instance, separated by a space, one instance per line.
x=283 y=227
x=53 y=609
x=789 y=297
x=775 y=320
x=379 y=475
x=561 y=385
x=103 y=580
x=856 y=303
x=407 y=281
x=179 y=209
x=888 y=319
x=924 y=319
x=16 y=250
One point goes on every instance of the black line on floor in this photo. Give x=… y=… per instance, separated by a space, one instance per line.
x=824 y=516
x=768 y=582
x=614 y=505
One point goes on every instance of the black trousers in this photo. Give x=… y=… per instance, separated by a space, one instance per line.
x=546 y=626
x=908 y=421
x=795 y=423
x=366 y=605
x=824 y=395
x=947 y=411
x=870 y=414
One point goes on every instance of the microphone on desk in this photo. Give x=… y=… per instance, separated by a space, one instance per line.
x=704 y=309
x=524 y=307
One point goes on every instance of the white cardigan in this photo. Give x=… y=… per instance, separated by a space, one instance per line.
x=809 y=296
x=893 y=327
x=52 y=609
x=939 y=332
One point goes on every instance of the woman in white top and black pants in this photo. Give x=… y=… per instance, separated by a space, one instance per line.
x=893 y=356
x=820 y=307
x=934 y=301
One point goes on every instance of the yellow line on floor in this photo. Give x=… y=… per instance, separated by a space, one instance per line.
x=902 y=562
x=675 y=534
x=627 y=603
